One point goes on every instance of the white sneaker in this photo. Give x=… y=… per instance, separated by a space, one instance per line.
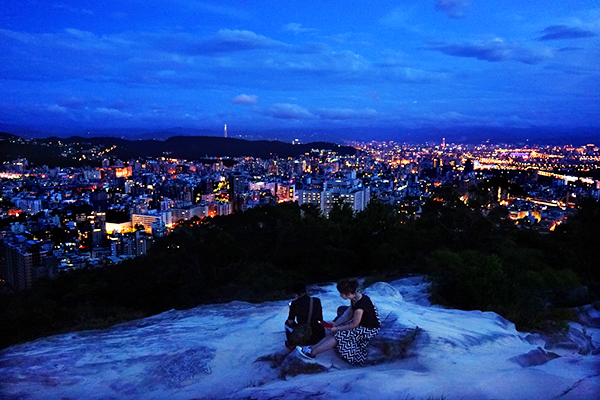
x=305 y=352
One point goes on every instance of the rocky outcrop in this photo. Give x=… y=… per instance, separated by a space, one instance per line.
x=538 y=356
x=576 y=340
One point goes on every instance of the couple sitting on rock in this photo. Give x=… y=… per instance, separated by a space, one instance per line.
x=349 y=333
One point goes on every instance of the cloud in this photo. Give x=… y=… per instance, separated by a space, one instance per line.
x=118 y=15
x=297 y=28
x=84 y=11
x=374 y=95
x=227 y=40
x=495 y=50
x=71 y=103
x=452 y=8
x=55 y=108
x=346 y=63
x=245 y=99
x=119 y=105
x=20 y=37
x=222 y=42
x=112 y=113
x=560 y=32
x=144 y=58
x=410 y=75
x=346 y=113
x=454 y=118
x=79 y=33
x=158 y=109
x=219 y=10
x=288 y=111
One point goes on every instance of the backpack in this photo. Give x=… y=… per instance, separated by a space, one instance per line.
x=302 y=333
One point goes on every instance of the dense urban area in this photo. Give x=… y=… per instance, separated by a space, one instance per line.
x=58 y=219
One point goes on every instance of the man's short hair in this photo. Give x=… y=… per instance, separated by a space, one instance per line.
x=299 y=288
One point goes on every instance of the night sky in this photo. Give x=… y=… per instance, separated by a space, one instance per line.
x=157 y=64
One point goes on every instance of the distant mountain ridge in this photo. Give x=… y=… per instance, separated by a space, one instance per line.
x=195 y=147
x=40 y=152
x=473 y=134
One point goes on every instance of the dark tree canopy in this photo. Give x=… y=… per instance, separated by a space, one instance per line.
x=475 y=262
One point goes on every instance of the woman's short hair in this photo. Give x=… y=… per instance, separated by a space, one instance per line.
x=347 y=286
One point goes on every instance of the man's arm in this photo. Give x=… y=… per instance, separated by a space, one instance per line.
x=291 y=319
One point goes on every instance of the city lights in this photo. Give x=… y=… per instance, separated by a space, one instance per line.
x=154 y=196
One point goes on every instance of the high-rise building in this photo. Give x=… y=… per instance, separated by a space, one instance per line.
x=310 y=196
x=357 y=198
x=222 y=208
x=286 y=191
x=336 y=192
x=99 y=200
x=188 y=212
x=130 y=244
x=225 y=131
x=147 y=219
x=25 y=261
x=29 y=205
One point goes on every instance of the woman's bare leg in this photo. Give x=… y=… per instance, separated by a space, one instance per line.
x=327 y=343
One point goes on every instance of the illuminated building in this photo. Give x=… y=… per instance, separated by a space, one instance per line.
x=148 y=219
x=357 y=198
x=130 y=244
x=118 y=227
x=159 y=229
x=335 y=192
x=30 y=206
x=310 y=196
x=238 y=185
x=25 y=261
x=186 y=213
x=221 y=208
x=286 y=192
x=92 y=174
x=123 y=172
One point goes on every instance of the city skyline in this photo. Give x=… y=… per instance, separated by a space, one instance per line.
x=403 y=65
x=98 y=214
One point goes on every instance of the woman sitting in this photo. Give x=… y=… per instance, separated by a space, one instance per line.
x=353 y=330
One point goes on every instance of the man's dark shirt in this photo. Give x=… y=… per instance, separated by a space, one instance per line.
x=299 y=312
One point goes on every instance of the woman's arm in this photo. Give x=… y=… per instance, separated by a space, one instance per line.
x=353 y=323
x=344 y=318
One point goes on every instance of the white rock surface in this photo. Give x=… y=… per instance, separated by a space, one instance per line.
x=209 y=352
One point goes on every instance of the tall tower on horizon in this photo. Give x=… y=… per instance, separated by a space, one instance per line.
x=225 y=131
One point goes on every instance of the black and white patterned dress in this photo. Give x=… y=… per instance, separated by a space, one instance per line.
x=352 y=344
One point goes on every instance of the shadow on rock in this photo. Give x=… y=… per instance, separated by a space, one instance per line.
x=392 y=343
x=295 y=364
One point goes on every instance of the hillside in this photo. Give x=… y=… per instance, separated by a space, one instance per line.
x=475 y=264
x=53 y=151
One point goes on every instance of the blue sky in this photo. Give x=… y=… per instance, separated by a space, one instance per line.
x=92 y=65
